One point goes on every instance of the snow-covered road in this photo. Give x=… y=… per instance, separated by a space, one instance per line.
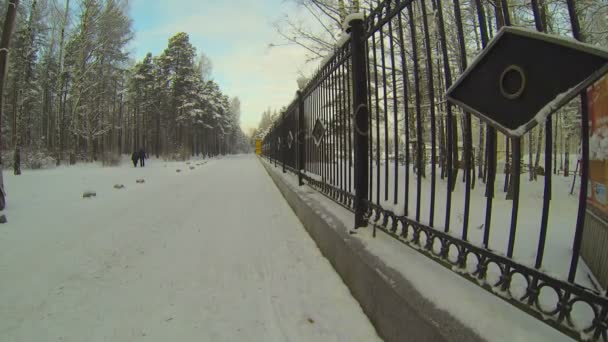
x=210 y=254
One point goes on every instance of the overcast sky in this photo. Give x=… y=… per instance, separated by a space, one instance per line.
x=235 y=35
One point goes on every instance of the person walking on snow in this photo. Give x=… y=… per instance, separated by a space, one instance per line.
x=134 y=158
x=142 y=157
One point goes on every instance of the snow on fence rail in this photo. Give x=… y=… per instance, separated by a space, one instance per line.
x=425 y=182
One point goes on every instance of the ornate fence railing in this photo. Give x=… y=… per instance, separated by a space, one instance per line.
x=373 y=131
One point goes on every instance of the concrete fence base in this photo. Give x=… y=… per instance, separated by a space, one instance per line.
x=395 y=308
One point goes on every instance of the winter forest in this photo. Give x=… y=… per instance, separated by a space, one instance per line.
x=73 y=93
x=135 y=208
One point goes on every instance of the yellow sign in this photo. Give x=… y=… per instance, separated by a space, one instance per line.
x=258 y=147
x=598 y=145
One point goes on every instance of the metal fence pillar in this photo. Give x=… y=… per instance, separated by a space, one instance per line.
x=301 y=137
x=283 y=150
x=275 y=145
x=361 y=125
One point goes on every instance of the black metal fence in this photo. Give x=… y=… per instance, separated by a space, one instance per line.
x=373 y=131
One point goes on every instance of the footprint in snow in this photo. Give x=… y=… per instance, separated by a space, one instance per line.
x=89 y=194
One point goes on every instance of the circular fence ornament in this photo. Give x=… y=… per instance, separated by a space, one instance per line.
x=512 y=82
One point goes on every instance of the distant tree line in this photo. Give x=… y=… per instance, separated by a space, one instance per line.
x=72 y=92
x=268 y=118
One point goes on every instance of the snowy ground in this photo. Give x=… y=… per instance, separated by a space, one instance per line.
x=210 y=254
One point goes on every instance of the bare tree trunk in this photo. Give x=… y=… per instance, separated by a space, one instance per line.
x=567 y=156
x=442 y=148
x=113 y=120
x=498 y=13
x=19 y=112
x=134 y=128
x=481 y=151
x=462 y=132
x=158 y=134
x=455 y=155
x=538 y=148
x=476 y=26
x=23 y=107
x=60 y=92
x=530 y=149
x=561 y=144
x=143 y=123
x=555 y=146
x=489 y=20
x=5 y=42
x=486 y=157
x=192 y=130
x=512 y=171
x=17 y=117
x=507 y=165
x=120 y=119
x=90 y=145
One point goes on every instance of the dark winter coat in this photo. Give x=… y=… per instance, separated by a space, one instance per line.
x=135 y=156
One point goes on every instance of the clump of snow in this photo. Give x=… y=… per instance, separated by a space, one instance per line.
x=191 y=167
x=551 y=107
x=344 y=37
x=326 y=59
x=302 y=82
x=351 y=17
x=316 y=177
x=542 y=115
x=89 y=194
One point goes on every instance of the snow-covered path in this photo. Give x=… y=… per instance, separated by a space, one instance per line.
x=210 y=254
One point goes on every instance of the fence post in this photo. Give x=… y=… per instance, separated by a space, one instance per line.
x=283 y=145
x=361 y=126
x=275 y=144
x=301 y=136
